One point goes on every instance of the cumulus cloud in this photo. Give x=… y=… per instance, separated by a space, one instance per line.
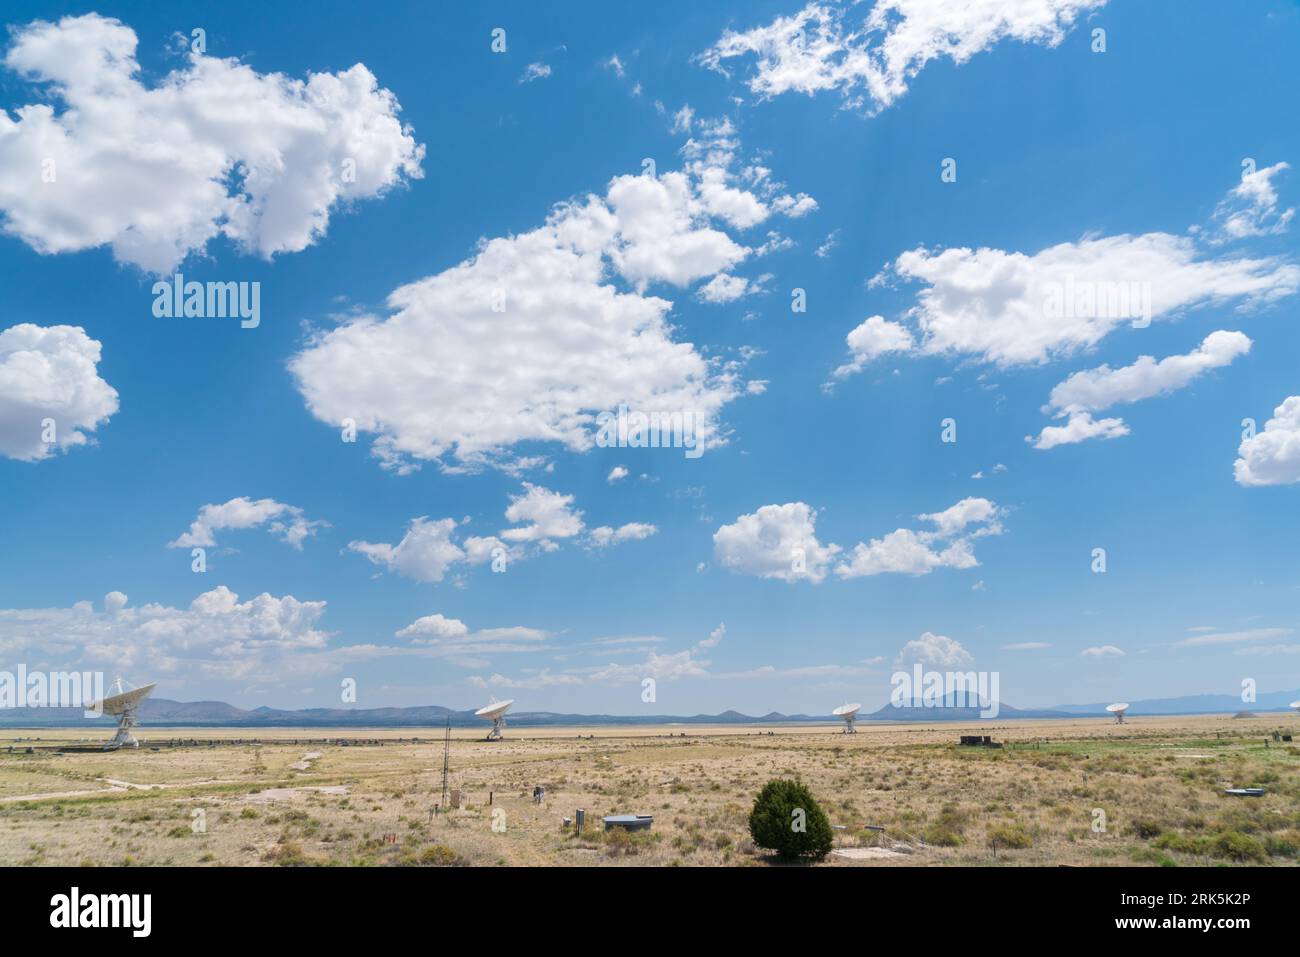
x=932 y=649
x=537 y=333
x=424 y=554
x=724 y=288
x=1102 y=651
x=616 y=474
x=1079 y=427
x=872 y=63
x=1272 y=457
x=1010 y=308
x=541 y=520
x=287 y=522
x=50 y=372
x=1097 y=389
x=1251 y=208
x=779 y=541
x=948 y=545
x=546 y=516
x=451 y=638
x=433 y=627
x=1093 y=390
x=213 y=149
x=875 y=337
x=217 y=636
x=604 y=535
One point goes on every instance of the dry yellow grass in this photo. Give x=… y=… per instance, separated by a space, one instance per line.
x=1040 y=800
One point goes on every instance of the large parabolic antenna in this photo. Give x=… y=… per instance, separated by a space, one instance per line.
x=1295 y=705
x=122 y=706
x=496 y=713
x=849 y=712
x=1118 y=711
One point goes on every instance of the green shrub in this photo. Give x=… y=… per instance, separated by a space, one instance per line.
x=438 y=855
x=1145 y=828
x=946 y=830
x=1011 y=835
x=786 y=818
x=1238 y=847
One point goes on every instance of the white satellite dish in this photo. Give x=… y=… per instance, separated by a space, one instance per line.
x=123 y=705
x=1118 y=711
x=495 y=711
x=1295 y=705
x=849 y=712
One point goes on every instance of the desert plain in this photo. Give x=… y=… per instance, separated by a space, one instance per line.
x=1083 y=792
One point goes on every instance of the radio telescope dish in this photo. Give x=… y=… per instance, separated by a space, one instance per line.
x=1295 y=705
x=123 y=706
x=849 y=712
x=1118 y=711
x=495 y=711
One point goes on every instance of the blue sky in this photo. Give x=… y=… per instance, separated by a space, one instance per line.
x=1117 y=165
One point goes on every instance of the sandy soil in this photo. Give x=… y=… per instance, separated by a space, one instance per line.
x=1081 y=791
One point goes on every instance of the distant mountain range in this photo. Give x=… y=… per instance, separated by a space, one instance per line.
x=1195 y=704
x=163 y=712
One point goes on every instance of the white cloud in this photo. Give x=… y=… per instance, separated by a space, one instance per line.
x=545 y=515
x=832 y=240
x=773 y=541
x=50 y=372
x=661 y=667
x=1010 y=308
x=1096 y=389
x=1093 y=390
x=908 y=552
x=529 y=340
x=1250 y=209
x=1268 y=650
x=715 y=637
x=285 y=521
x=432 y=627
x=815 y=50
x=969 y=511
x=213 y=149
x=724 y=288
x=424 y=554
x=616 y=474
x=605 y=536
x=1272 y=456
x=535 y=71
x=1235 y=637
x=542 y=519
x=1102 y=651
x=217 y=637
x=932 y=649
x=1079 y=427
x=876 y=336
x=1027 y=646
x=777 y=541
x=451 y=638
